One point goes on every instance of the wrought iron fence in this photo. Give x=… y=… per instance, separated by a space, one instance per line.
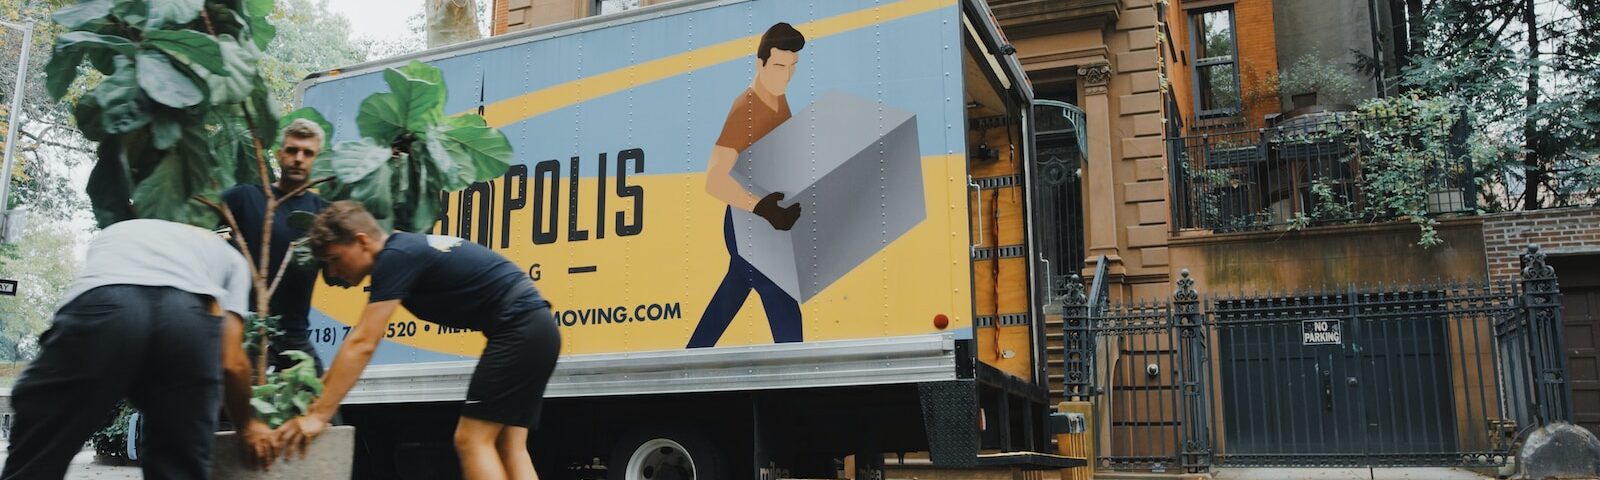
x=1437 y=374
x=1315 y=169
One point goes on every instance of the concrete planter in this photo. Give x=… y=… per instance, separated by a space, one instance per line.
x=330 y=457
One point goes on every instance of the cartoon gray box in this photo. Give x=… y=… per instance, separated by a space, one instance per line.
x=855 y=167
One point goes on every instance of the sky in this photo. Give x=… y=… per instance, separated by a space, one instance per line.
x=377 y=19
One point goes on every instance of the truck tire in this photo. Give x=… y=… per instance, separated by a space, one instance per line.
x=672 y=453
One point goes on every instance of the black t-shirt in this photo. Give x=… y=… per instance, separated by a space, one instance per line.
x=450 y=281
x=248 y=204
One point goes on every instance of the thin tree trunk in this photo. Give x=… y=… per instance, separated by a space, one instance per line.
x=451 y=21
x=1531 y=167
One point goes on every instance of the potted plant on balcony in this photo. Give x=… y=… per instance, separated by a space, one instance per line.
x=1312 y=81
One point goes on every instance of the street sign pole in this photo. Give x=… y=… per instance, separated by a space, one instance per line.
x=15 y=122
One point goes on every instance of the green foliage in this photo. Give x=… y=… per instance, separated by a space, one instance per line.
x=112 y=441
x=410 y=151
x=257 y=326
x=177 y=77
x=1537 y=103
x=1407 y=157
x=310 y=38
x=288 y=393
x=1313 y=73
x=43 y=264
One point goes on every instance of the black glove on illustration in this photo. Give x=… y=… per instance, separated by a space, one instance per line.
x=781 y=218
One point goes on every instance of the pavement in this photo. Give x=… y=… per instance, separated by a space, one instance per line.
x=1347 y=474
x=83 y=467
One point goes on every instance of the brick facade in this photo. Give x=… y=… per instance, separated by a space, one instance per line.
x=1557 y=231
x=514 y=15
x=1255 y=38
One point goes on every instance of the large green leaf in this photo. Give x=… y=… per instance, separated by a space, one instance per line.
x=263 y=407
x=172 y=12
x=382 y=117
x=466 y=120
x=109 y=187
x=415 y=102
x=374 y=193
x=487 y=152
x=419 y=71
x=306 y=375
x=76 y=16
x=423 y=214
x=192 y=48
x=88 y=114
x=447 y=171
x=61 y=71
x=263 y=114
x=103 y=60
x=183 y=173
x=132 y=12
x=165 y=84
x=420 y=89
x=352 y=161
x=125 y=106
x=234 y=153
x=91 y=40
x=265 y=390
x=241 y=66
x=302 y=401
x=261 y=30
x=166 y=128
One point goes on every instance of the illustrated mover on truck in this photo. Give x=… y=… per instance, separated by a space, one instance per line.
x=766 y=244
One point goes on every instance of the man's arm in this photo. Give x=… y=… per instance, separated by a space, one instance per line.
x=720 y=183
x=258 y=441
x=347 y=366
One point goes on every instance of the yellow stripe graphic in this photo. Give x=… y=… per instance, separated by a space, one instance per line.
x=532 y=104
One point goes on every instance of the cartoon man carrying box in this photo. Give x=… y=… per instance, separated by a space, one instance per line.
x=755 y=113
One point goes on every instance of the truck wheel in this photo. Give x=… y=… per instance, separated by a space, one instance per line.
x=665 y=454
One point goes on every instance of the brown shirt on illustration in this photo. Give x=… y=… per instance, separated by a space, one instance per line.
x=750 y=119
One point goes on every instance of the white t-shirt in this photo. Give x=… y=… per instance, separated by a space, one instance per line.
x=158 y=253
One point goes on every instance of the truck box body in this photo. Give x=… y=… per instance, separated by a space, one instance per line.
x=613 y=120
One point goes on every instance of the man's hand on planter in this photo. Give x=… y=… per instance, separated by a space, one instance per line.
x=260 y=444
x=299 y=432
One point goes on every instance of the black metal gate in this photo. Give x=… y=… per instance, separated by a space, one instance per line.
x=1446 y=374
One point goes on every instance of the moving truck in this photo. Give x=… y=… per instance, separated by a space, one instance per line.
x=761 y=263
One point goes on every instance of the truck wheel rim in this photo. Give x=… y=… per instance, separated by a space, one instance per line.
x=660 y=459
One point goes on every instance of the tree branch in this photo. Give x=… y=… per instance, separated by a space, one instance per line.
x=282 y=268
x=257 y=277
x=227 y=216
x=307 y=186
x=53 y=143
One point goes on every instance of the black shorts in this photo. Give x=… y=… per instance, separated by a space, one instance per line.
x=508 y=385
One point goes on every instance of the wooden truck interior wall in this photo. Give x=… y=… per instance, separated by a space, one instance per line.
x=1000 y=270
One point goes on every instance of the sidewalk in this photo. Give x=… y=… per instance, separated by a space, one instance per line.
x=83 y=467
x=1346 y=474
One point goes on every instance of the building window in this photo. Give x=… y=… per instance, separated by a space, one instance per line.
x=1216 y=70
x=602 y=7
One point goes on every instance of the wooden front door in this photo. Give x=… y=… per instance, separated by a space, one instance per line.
x=1580 y=304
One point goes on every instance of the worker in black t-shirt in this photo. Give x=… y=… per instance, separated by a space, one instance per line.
x=301 y=142
x=450 y=282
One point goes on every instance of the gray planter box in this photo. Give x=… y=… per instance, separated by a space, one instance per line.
x=330 y=457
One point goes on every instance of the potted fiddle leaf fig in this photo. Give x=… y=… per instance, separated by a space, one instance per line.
x=181 y=111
